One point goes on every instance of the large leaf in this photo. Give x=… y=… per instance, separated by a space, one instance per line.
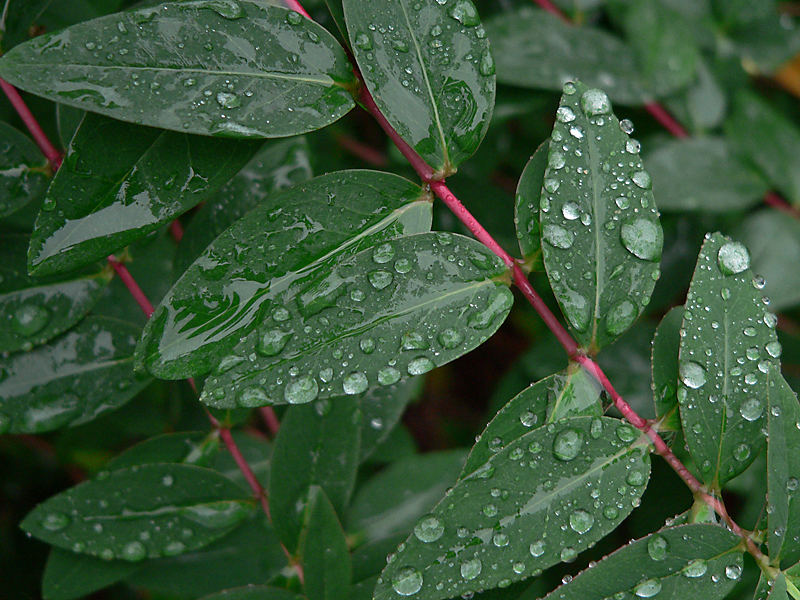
x=703 y=174
x=142 y=512
x=691 y=561
x=277 y=165
x=318 y=445
x=215 y=67
x=68 y=575
x=541 y=500
x=726 y=352
x=107 y=194
x=24 y=172
x=254 y=592
x=538 y=50
x=664 y=362
x=430 y=71
x=32 y=310
x=325 y=556
x=601 y=235
x=526 y=204
x=771 y=590
x=264 y=262
x=78 y=376
x=783 y=470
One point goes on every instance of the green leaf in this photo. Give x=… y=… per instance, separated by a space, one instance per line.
x=277 y=165
x=538 y=50
x=82 y=374
x=241 y=69
x=664 y=363
x=24 y=172
x=728 y=347
x=774 y=244
x=18 y=16
x=323 y=547
x=254 y=592
x=771 y=590
x=105 y=197
x=381 y=409
x=601 y=234
x=703 y=174
x=783 y=469
x=133 y=514
x=769 y=140
x=317 y=445
x=34 y=310
x=68 y=575
x=568 y=394
x=267 y=260
x=526 y=204
x=430 y=71
x=703 y=104
x=540 y=500
x=691 y=561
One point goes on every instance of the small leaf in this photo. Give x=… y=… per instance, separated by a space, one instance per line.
x=381 y=409
x=783 y=469
x=526 y=204
x=254 y=592
x=34 y=310
x=77 y=377
x=325 y=557
x=569 y=394
x=317 y=445
x=133 y=514
x=24 y=173
x=538 y=50
x=664 y=363
x=540 y=500
x=429 y=68
x=238 y=71
x=68 y=575
x=103 y=198
x=601 y=235
x=190 y=447
x=263 y=263
x=703 y=174
x=691 y=561
x=725 y=354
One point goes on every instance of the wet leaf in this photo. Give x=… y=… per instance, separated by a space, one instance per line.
x=691 y=561
x=254 y=592
x=34 y=310
x=771 y=590
x=82 y=374
x=703 y=174
x=664 y=362
x=133 y=514
x=233 y=68
x=727 y=350
x=538 y=50
x=266 y=260
x=107 y=195
x=317 y=445
x=430 y=71
x=540 y=500
x=24 y=172
x=526 y=204
x=68 y=575
x=601 y=236
x=381 y=409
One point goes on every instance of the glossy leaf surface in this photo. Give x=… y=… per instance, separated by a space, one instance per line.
x=381 y=409
x=691 y=561
x=664 y=361
x=33 y=310
x=430 y=71
x=102 y=200
x=24 y=172
x=725 y=355
x=69 y=575
x=703 y=174
x=325 y=556
x=559 y=490
x=78 y=376
x=317 y=445
x=535 y=49
x=235 y=68
x=266 y=261
x=254 y=592
x=601 y=237
x=526 y=204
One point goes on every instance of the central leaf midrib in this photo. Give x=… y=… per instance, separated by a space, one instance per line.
x=598 y=216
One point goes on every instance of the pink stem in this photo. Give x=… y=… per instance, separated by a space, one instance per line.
x=297 y=7
x=775 y=201
x=270 y=420
x=369 y=155
x=553 y=10
x=666 y=120
x=50 y=152
x=133 y=287
x=176 y=230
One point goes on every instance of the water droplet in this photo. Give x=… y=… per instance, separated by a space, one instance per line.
x=626 y=125
x=568 y=555
x=741 y=452
x=733 y=571
x=620 y=317
x=556 y=160
x=636 y=478
x=400 y=45
x=294 y=18
x=695 y=568
x=407 y=581
x=383 y=253
x=595 y=102
x=252 y=397
x=363 y=41
x=792 y=484
x=581 y=521
x=486 y=66
x=647 y=589
x=55 y=521
x=367 y=345
x=420 y=365
x=388 y=376
x=272 y=342
x=642 y=179
x=537 y=548
x=500 y=540
x=470 y=569
x=217 y=515
x=464 y=12
x=30 y=319
x=302 y=390
x=565 y=114
x=133 y=551
x=643 y=238
x=558 y=237
x=692 y=374
x=774 y=349
x=528 y=419
x=622 y=202
x=571 y=211
x=733 y=258
x=451 y=338
x=633 y=146
x=412 y=340
x=499 y=302
x=281 y=314
x=429 y=529
x=355 y=383
x=626 y=433
x=167 y=480
x=610 y=512
x=380 y=279
x=567 y=444
x=657 y=547
x=403 y=265
x=751 y=409
x=228 y=100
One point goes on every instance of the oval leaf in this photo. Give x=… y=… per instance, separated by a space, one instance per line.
x=601 y=235
x=242 y=69
x=726 y=350
x=664 y=363
x=430 y=71
x=382 y=408
x=526 y=205
x=269 y=259
x=559 y=489
x=132 y=514
x=395 y=310
x=24 y=172
x=254 y=592
x=82 y=374
x=324 y=552
x=68 y=575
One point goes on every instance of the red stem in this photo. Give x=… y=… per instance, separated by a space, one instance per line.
x=775 y=201
x=667 y=120
x=176 y=230
x=270 y=420
x=553 y=10
x=369 y=155
x=297 y=7
x=133 y=287
x=51 y=153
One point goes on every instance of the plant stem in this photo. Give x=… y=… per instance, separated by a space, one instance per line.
x=660 y=114
x=50 y=152
x=297 y=7
x=133 y=287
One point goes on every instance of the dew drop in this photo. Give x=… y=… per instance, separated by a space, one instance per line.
x=774 y=349
x=470 y=569
x=252 y=397
x=272 y=342
x=537 y=548
x=363 y=41
x=383 y=253
x=55 y=521
x=568 y=555
x=429 y=529
x=380 y=279
x=420 y=365
x=571 y=211
x=657 y=547
x=741 y=452
x=558 y=237
x=642 y=180
x=733 y=571
x=134 y=551
x=565 y=114
x=355 y=383
x=388 y=376
x=567 y=444
x=301 y=391
x=29 y=319
x=450 y=338
x=486 y=66
x=581 y=521
x=751 y=409
x=733 y=258
x=595 y=102
x=228 y=100
x=407 y=581
x=695 y=568
x=620 y=317
x=465 y=13
x=692 y=374
x=643 y=238
x=647 y=589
